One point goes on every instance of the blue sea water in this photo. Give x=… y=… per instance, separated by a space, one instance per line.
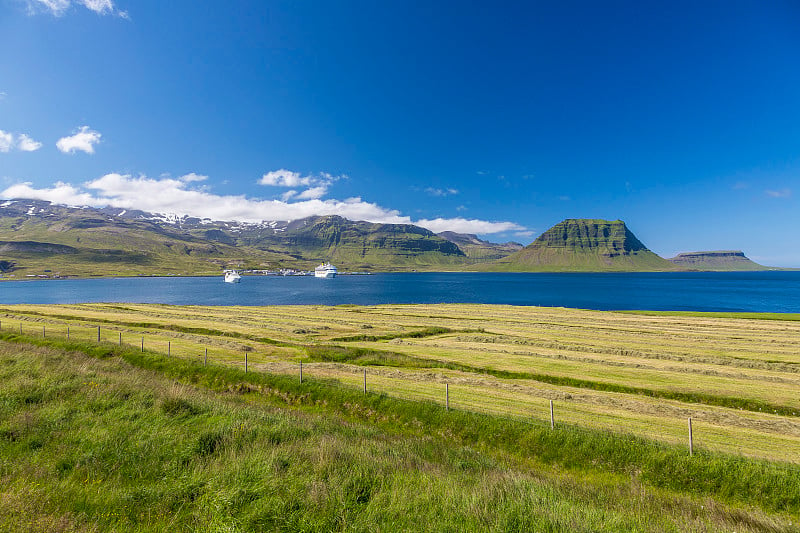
x=772 y=291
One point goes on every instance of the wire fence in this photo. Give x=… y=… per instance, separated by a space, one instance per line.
x=538 y=403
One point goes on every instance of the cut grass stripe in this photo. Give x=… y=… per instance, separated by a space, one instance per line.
x=419 y=334
x=371 y=357
x=159 y=326
x=771 y=486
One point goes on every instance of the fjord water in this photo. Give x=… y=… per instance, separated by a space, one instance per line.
x=771 y=291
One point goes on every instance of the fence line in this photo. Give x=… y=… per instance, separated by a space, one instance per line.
x=447 y=406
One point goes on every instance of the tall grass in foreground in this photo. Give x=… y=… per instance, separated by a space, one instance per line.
x=96 y=444
x=774 y=487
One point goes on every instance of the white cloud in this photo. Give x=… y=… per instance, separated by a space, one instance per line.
x=192 y=177
x=56 y=7
x=6 y=141
x=84 y=140
x=101 y=7
x=288 y=195
x=317 y=184
x=463 y=225
x=60 y=193
x=179 y=196
x=168 y=195
x=59 y=7
x=441 y=192
x=313 y=193
x=284 y=178
x=3 y=95
x=22 y=142
x=783 y=193
x=26 y=144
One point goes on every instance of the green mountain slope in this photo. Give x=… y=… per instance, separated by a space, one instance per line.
x=583 y=245
x=356 y=245
x=38 y=238
x=42 y=239
x=718 y=260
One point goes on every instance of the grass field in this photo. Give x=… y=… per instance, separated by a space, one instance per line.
x=621 y=381
x=738 y=378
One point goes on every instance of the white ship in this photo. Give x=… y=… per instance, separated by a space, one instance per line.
x=325 y=270
x=231 y=276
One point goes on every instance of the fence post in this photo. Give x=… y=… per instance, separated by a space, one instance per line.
x=552 y=420
x=67 y=332
x=301 y=371
x=691 y=442
x=205 y=358
x=169 y=348
x=245 y=362
x=142 y=344
x=44 y=332
x=365 y=381
x=20 y=328
x=120 y=338
x=98 y=333
x=447 y=396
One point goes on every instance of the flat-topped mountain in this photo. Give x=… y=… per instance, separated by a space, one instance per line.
x=584 y=245
x=716 y=260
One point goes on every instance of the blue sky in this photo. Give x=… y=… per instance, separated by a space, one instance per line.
x=681 y=118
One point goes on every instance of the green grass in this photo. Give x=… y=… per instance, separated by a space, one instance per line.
x=626 y=373
x=418 y=334
x=711 y=314
x=372 y=357
x=127 y=440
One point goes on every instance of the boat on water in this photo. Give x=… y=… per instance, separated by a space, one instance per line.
x=325 y=270
x=231 y=276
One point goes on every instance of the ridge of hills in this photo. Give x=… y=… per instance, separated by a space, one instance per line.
x=38 y=238
x=478 y=249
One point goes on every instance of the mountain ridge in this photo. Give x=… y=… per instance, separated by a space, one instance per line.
x=37 y=238
x=115 y=241
x=479 y=249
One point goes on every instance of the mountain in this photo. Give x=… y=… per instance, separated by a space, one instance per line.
x=39 y=238
x=716 y=260
x=355 y=245
x=584 y=245
x=478 y=249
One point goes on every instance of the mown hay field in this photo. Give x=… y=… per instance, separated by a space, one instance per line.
x=643 y=374
x=105 y=438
